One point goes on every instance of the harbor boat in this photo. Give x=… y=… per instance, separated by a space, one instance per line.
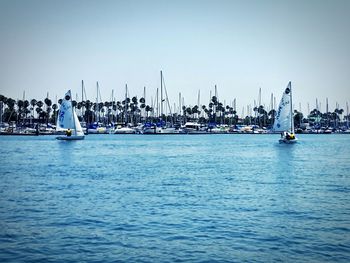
x=169 y=130
x=194 y=128
x=124 y=130
x=150 y=128
x=96 y=128
x=284 y=121
x=219 y=129
x=159 y=128
x=67 y=121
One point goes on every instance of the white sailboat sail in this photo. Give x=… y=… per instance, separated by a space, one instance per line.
x=79 y=130
x=67 y=118
x=284 y=115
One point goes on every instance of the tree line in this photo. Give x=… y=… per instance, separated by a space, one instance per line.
x=134 y=111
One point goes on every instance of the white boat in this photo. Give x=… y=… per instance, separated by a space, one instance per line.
x=284 y=121
x=124 y=130
x=167 y=130
x=194 y=128
x=67 y=121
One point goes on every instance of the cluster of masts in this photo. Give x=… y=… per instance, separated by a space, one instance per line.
x=135 y=111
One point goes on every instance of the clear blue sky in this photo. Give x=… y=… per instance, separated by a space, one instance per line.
x=50 y=46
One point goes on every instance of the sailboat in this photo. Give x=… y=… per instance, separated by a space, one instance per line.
x=284 y=121
x=68 y=120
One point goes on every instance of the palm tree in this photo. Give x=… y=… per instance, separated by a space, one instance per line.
x=54 y=107
x=20 y=105
x=214 y=100
x=272 y=114
x=220 y=108
x=148 y=109
x=337 y=113
x=262 y=115
x=235 y=117
x=188 y=111
x=88 y=116
x=10 y=113
x=298 y=118
x=33 y=104
x=88 y=112
x=142 y=107
x=39 y=109
x=2 y=99
x=48 y=103
x=25 y=106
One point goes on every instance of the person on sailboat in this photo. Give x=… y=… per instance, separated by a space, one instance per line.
x=288 y=136
x=69 y=132
x=291 y=136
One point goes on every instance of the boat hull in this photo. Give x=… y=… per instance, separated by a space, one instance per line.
x=124 y=131
x=70 y=138
x=284 y=140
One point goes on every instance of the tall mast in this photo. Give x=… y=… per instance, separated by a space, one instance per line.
x=347 y=115
x=259 y=97
x=166 y=98
x=199 y=98
x=271 y=101
x=180 y=108
x=152 y=104
x=82 y=90
x=327 y=111
x=1 y=106
x=161 y=94
x=125 y=105
x=97 y=106
x=71 y=103
x=291 y=109
x=199 y=101
x=82 y=98
x=157 y=103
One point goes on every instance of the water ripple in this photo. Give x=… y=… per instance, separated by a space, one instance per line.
x=175 y=199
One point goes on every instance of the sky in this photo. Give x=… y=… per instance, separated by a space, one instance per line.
x=241 y=46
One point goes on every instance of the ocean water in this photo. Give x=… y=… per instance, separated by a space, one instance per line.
x=178 y=198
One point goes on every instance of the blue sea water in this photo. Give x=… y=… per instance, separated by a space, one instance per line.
x=205 y=198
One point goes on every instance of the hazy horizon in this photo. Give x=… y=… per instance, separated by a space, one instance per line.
x=240 y=46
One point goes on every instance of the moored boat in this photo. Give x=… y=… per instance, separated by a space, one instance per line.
x=124 y=130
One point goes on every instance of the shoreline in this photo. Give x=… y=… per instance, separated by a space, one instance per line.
x=205 y=133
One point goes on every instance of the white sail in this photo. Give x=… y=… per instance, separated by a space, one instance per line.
x=79 y=130
x=67 y=118
x=283 y=119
